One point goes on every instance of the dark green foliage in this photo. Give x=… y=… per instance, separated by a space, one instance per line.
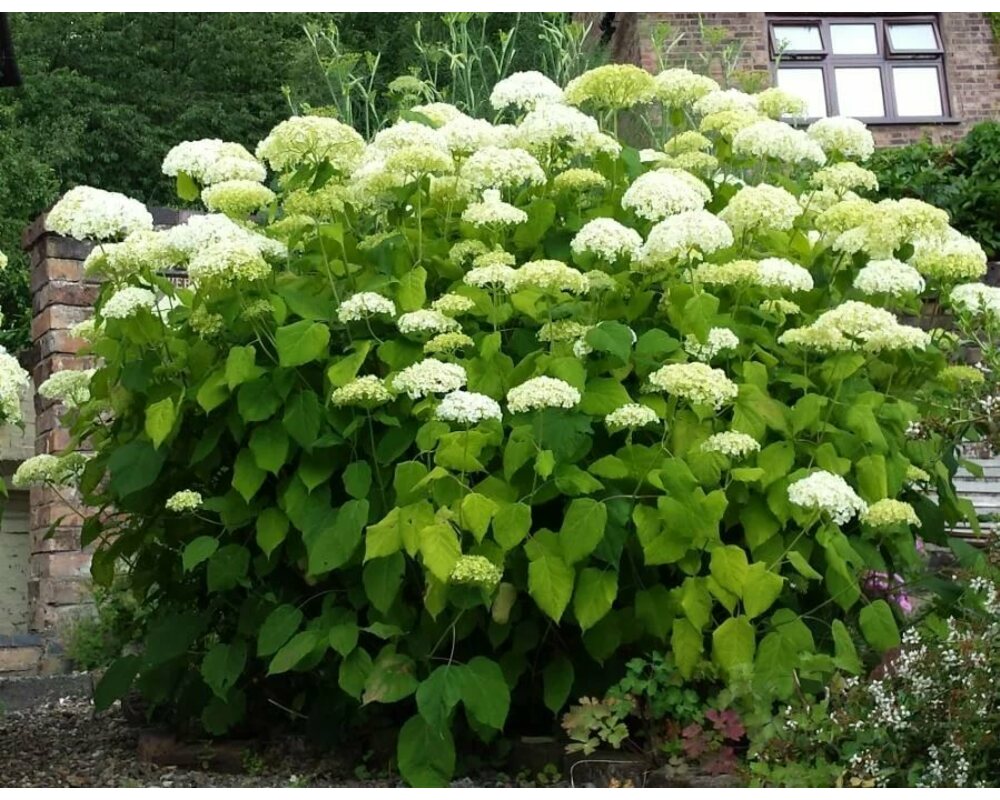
x=960 y=178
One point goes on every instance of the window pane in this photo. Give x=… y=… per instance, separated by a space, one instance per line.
x=918 y=91
x=798 y=37
x=859 y=91
x=853 y=39
x=807 y=84
x=913 y=37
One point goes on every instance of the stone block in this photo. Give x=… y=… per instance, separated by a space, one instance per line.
x=19 y=659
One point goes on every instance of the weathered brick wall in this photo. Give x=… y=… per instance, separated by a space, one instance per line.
x=972 y=60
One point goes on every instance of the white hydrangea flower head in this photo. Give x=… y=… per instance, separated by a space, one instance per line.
x=778 y=140
x=729 y=122
x=429 y=376
x=630 y=416
x=425 y=321
x=680 y=237
x=761 y=208
x=237 y=198
x=416 y=161
x=724 y=100
x=843 y=136
x=742 y=272
x=548 y=275
x=184 y=500
x=226 y=264
x=127 y=302
x=467 y=408
x=977 y=298
x=476 y=571
x=363 y=305
x=47 y=469
x=611 y=86
x=681 y=88
x=718 y=340
x=445 y=343
x=465 y=135
x=732 y=444
x=776 y=102
x=493 y=258
x=844 y=177
x=205 y=230
x=88 y=213
x=311 y=140
x=86 y=330
x=889 y=277
x=492 y=211
x=368 y=391
x=466 y=250
x=453 y=305
x=71 y=387
x=579 y=180
x=440 y=114
x=780 y=273
x=662 y=192
x=845 y=215
x=562 y=330
x=887 y=513
x=551 y=126
x=3 y=260
x=542 y=392
x=697 y=383
x=780 y=306
x=502 y=168
x=828 y=493
x=142 y=250
x=525 y=91
x=14 y=381
x=856 y=326
x=212 y=160
x=493 y=276
x=607 y=239
x=599 y=281
x=948 y=257
x=687 y=142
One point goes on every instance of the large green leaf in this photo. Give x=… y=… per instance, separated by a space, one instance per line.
x=279 y=626
x=227 y=567
x=134 y=466
x=760 y=589
x=550 y=583
x=160 y=417
x=241 y=366
x=198 y=550
x=733 y=644
x=301 y=342
x=382 y=578
x=269 y=445
x=582 y=529
x=247 y=476
x=303 y=417
x=439 y=693
x=557 y=683
x=222 y=666
x=392 y=678
x=595 y=593
x=879 y=626
x=272 y=528
x=411 y=293
x=687 y=645
x=485 y=693
x=332 y=545
x=425 y=754
x=116 y=681
x=293 y=651
x=729 y=567
x=845 y=655
x=511 y=524
x=440 y=549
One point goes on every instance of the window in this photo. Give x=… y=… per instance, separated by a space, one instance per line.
x=876 y=68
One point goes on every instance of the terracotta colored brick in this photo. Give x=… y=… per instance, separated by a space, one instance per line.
x=57 y=341
x=20 y=659
x=68 y=293
x=57 y=317
x=74 y=564
x=54 y=441
x=61 y=540
x=61 y=514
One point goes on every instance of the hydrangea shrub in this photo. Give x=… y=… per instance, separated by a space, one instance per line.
x=463 y=417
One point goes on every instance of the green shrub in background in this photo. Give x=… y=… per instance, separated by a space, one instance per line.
x=467 y=416
x=959 y=177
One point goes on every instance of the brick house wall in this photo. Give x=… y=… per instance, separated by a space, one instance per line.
x=971 y=59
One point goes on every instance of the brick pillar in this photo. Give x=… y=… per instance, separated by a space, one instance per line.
x=61 y=297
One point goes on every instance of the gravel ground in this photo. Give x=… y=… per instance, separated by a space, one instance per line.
x=65 y=744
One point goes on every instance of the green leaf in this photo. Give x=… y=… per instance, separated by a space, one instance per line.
x=247 y=476
x=687 y=645
x=485 y=693
x=358 y=479
x=302 y=418
x=879 y=626
x=382 y=578
x=116 y=681
x=733 y=644
x=776 y=460
x=557 y=683
x=550 y=583
x=197 y=550
x=272 y=528
x=241 y=366
x=223 y=665
x=761 y=588
x=392 y=678
x=171 y=636
x=440 y=549
x=293 y=651
x=333 y=545
x=614 y=338
x=344 y=370
x=411 y=294
x=278 y=628
x=545 y=463
x=601 y=396
x=160 y=417
x=595 y=593
x=187 y=189
x=354 y=671
x=511 y=524
x=582 y=529
x=213 y=391
x=476 y=511
x=729 y=567
x=439 y=693
x=269 y=445
x=344 y=637
x=134 y=467
x=654 y=609
x=696 y=602
x=425 y=754
x=227 y=567
x=873 y=482
x=301 y=342
x=258 y=400
x=845 y=655
x=802 y=566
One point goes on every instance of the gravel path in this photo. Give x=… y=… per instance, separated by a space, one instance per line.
x=65 y=744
